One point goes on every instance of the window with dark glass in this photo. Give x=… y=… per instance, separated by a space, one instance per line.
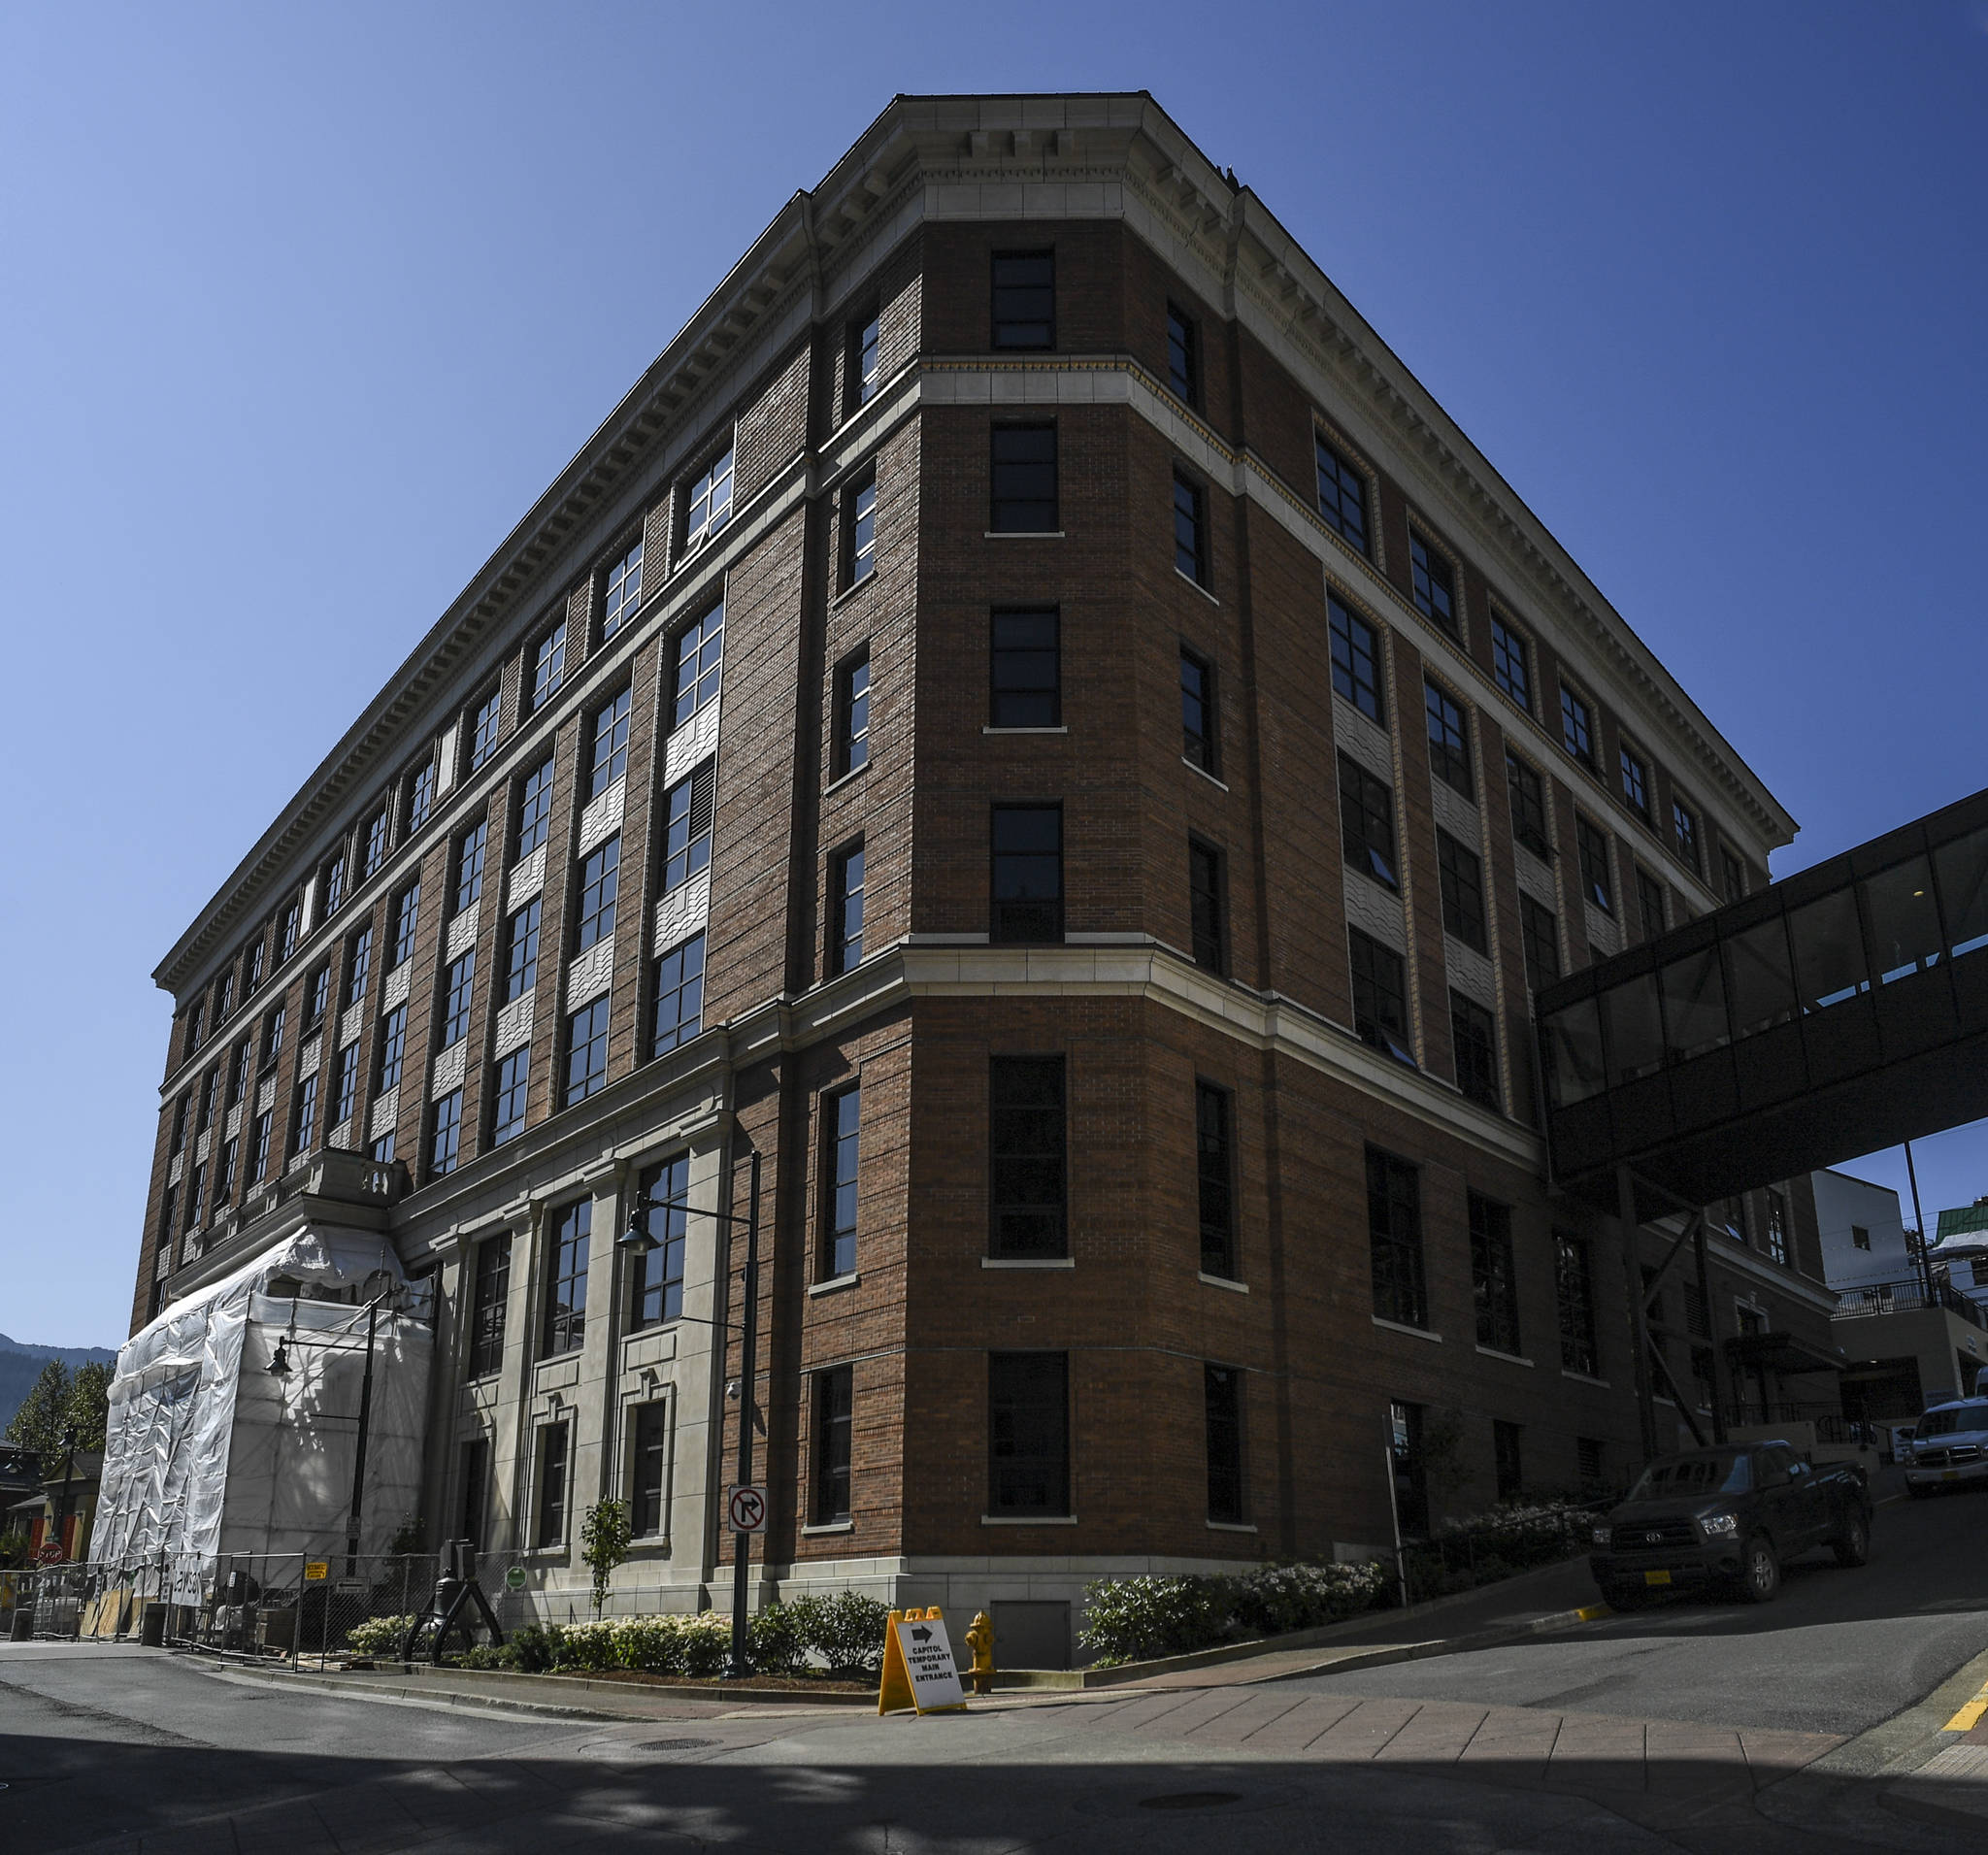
x=420 y=793
x=846 y=910
x=239 y=1066
x=1024 y=476
x=1592 y=847
x=1507 y=1465
x=331 y=878
x=459 y=993
x=1474 y=1035
x=231 y=1159
x=1025 y=1120
x=304 y=1123
x=382 y=1149
x=1776 y=1225
x=551 y=1527
x=520 y=952
x=485 y=719
x=586 y=1051
x=407 y=913
x=196 y=1198
x=1355 y=659
x=1733 y=873
x=210 y=1101
x=345 y=1086
x=656 y=1280
x=1222 y=1402
x=1024 y=305
x=393 y=1043
x=1215 y=1168
x=259 y=956
x=700 y=665
x=444 y=1135
x=600 y=883
x=686 y=826
x=509 y=1090
x=1449 y=741
x=1512 y=663
x=1394 y=1232
x=647 y=1466
x=1380 y=995
x=1025 y=670
x=1435 y=588
x=169 y=1219
x=317 y=996
x=1028 y=1432
x=534 y=813
x=1197 y=712
x=1636 y=784
x=358 y=965
x=707 y=501
x=852 y=714
x=475 y=1490
x=1494 y=1279
x=1540 y=932
x=834 y=1411
x=273 y=1035
x=181 y=1110
x=548 y=665
x=1342 y=496
x=1649 y=903
x=223 y=998
x=1026 y=854
x=1183 y=355
x=1574 y=1292
x=622 y=594
x=1206 y=907
x=568 y=1239
x=263 y=1140
x=1190 y=529
x=1461 y=877
x=866 y=360
x=1528 y=795
x=860 y=528
x=842 y=1118
x=1685 y=831
x=680 y=996
x=1576 y=731
x=291 y=930
x=1367 y=822
x=469 y=865
x=610 y=745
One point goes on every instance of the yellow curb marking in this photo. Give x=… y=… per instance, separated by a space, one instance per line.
x=1594 y=1612
x=1969 y=1716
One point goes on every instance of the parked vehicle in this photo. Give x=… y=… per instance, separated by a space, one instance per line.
x=1949 y=1447
x=1728 y=1519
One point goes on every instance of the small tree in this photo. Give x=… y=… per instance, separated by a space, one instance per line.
x=604 y=1537
x=55 y=1401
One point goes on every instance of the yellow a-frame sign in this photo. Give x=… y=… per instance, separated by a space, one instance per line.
x=918 y=1669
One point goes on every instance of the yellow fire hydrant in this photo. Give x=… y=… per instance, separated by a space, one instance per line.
x=981 y=1639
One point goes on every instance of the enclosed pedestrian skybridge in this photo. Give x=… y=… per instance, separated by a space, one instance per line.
x=1841 y=1010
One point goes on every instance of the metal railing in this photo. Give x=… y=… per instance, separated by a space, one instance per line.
x=1906 y=1297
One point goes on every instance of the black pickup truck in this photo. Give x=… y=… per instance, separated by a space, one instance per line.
x=1728 y=1518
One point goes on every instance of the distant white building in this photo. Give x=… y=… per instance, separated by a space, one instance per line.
x=1863 y=1233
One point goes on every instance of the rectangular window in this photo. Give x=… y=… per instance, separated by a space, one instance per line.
x=842 y=1117
x=1649 y=903
x=1449 y=741
x=258 y=955
x=846 y=911
x=708 y=504
x=851 y=715
x=458 y=994
x=382 y=1149
x=1183 y=355
x=600 y=884
x=1023 y=479
x=1434 y=587
x=834 y=1410
x=332 y=882
x=373 y=844
x=680 y=996
x=1028 y=1432
x=304 y=1126
x=586 y=1051
x=647 y=1466
x=1576 y=731
x=1206 y=908
x=407 y=913
x=610 y=745
x=469 y=866
x=1393 y=1230
x=240 y=1065
x=1685 y=828
x=1215 y=1168
x=273 y=1035
x=1342 y=496
x=1197 y=712
x=1222 y=1400
x=475 y=1490
x=1732 y=873
x=1507 y=1464
x=700 y=665
x=484 y=720
x=1025 y=682
x=420 y=795
x=393 y=1043
x=520 y=952
x=1355 y=659
x=210 y=1101
x=444 y=1135
x=1595 y=880
x=624 y=590
x=224 y=998
x=316 y=997
x=290 y=932
x=1776 y=1225
x=1574 y=1291
x=179 y=1112
x=1024 y=305
x=231 y=1163
x=656 y=1280
x=260 y=1150
x=1860 y=1238
x=1026 y=844
x=860 y=528
x=1541 y=933
x=1367 y=822
x=1494 y=1280
x=358 y=965
x=1474 y=1033
x=345 y=1087
x=686 y=826
x=551 y=1527
x=1380 y=995
x=866 y=360
x=1528 y=795
x=512 y=1083
x=1636 y=784
x=1460 y=874
x=534 y=813
x=196 y=1199
x=1025 y=1124
x=169 y=1216
x=569 y=1236
x=1512 y=663
x=548 y=665
x=1190 y=529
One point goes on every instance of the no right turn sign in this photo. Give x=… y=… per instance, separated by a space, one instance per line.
x=746 y=1509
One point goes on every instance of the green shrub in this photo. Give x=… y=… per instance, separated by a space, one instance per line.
x=1276 y=1599
x=775 y=1640
x=487 y=1655
x=707 y=1640
x=654 y=1644
x=381 y=1636
x=535 y=1648
x=846 y=1631
x=1139 y=1619
x=588 y=1646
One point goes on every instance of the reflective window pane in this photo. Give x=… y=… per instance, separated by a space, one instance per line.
x=1694 y=1005
x=1759 y=977
x=1963 y=871
x=1904 y=922
x=1573 y=1048
x=1634 y=1029
x=1829 y=951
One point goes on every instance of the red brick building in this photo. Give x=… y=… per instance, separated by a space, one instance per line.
x=1029 y=718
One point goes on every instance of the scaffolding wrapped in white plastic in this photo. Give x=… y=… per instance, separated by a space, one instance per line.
x=211 y=1452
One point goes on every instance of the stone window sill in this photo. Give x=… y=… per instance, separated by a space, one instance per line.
x=828 y=1526
x=1398 y=1327
x=834 y=1283
x=1028 y=1261
x=1223 y=1281
x=1219 y=784
x=1510 y=1358
x=1028 y=1520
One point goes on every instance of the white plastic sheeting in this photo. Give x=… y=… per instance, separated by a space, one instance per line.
x=209 y=1452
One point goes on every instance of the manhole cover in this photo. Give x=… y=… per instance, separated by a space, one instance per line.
x=1190 y=1801
x=673 y=1746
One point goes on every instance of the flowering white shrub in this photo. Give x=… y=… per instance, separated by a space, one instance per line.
x=379 y=1634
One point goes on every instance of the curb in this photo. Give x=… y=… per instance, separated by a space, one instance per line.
x=1383 y=1657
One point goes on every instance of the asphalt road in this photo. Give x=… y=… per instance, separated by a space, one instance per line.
x=1838 y=1651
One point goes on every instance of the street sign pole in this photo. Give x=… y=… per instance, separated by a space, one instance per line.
x=742 y=1542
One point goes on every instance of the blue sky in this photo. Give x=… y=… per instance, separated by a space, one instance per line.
x=301 y=309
